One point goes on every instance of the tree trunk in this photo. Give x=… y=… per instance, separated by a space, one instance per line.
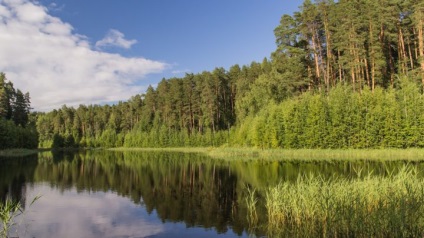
x=421 y=46
x=372 y=56
x=317 y=71
x=411 y=60
x=328 y=50
x=367 y=73
x=402 y=52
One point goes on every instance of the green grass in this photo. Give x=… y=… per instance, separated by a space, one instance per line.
x=17 y=152
x=8 y=211
x=390 y=206
x=320 y=154
x=168 y=149
x=297 y=154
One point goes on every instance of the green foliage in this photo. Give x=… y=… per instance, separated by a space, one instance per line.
x=197 y=110
x=7 y=134
x=58 y=141
x=12 y=136
x=17 y=128
x=109 y=138
x=21 y=108
x=317 y=122
x=340 y=119
x=5 y=97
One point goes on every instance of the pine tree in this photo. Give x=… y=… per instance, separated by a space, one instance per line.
x=21 y=109
x=7 y=95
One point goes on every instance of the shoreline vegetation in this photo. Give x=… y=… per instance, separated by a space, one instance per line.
x=304 y=155
x=250 y=153
x=377 y=206
x=19 y=152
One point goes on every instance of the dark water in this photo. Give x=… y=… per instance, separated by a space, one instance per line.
x=149 y=194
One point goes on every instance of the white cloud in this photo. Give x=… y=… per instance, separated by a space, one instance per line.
x=41 y=54
x=115 y=38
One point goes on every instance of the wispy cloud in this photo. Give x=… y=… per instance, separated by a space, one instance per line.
x=41 y=54
x=115 y=38
x=56 y=7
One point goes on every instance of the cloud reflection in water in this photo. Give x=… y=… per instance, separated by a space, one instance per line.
x=85 y=214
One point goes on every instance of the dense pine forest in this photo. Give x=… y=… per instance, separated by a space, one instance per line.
x=17 y=125
x=345 y=74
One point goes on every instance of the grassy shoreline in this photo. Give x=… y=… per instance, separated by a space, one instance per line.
x=244 y=153
x=312 y=155
x=19 y=152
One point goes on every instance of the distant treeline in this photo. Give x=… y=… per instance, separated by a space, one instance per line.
x=332 y=82
x=16 y=128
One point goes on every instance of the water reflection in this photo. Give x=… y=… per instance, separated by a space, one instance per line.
x=74 y=214
x=179 y=187
x=150 y=194
x=15 y=174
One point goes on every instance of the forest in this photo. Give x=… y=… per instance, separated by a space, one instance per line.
x=345 y=74
x=17 y=124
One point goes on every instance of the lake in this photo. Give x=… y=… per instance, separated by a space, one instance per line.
x=151 y=194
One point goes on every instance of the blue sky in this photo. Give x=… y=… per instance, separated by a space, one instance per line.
x=145 y=40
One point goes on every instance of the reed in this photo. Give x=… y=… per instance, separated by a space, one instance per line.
x=9 y=209
x=251 y=202
x=362 y=207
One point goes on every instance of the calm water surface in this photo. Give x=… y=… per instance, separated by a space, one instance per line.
x=149 y=194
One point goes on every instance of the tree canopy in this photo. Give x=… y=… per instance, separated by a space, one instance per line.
x=17 y=125
x=334 y=80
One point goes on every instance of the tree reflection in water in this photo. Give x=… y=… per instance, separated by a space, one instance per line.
x=175 y=186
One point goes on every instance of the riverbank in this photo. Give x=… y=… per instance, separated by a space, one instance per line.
x=312 y=155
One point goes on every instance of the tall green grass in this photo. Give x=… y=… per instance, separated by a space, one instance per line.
x=390 y=206
x=251 y=203
x=9 y=209
x=316 y=155
x=307 y=155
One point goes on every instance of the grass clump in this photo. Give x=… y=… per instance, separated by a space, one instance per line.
x=363 y=207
